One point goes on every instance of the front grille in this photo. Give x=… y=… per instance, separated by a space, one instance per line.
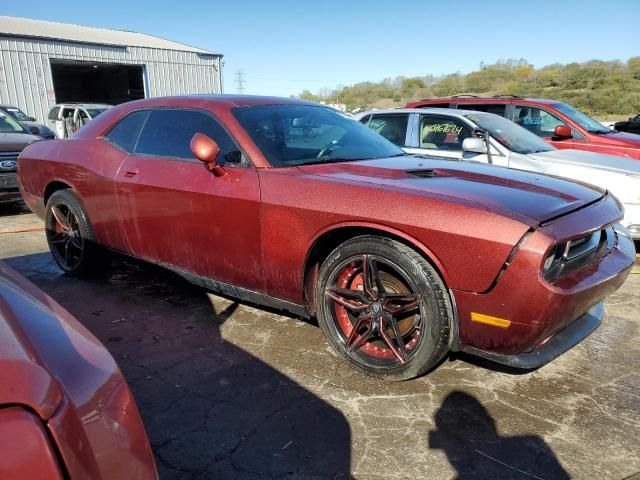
x=577 y=253
x=582 y=246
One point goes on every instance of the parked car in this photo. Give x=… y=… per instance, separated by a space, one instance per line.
x=13 y=138
x=454 y=134
x=631 y=126
x=290 y=204
x=29 y=123
x=65 y=409
x=558 y=123
x=67 y=118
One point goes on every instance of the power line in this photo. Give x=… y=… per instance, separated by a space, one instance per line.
x=240 y=81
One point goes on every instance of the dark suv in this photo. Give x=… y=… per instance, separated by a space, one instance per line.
x=13 y=139
x=558 y=123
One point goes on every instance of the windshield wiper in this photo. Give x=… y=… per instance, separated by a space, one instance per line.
x=328 y=160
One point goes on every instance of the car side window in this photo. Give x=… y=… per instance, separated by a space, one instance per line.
x=53 y=114
x=365 y=119
x=536 y=120
x=495 y=108
x=125 y=133
x=442 y=133
x=168 y=133
x=393 y=127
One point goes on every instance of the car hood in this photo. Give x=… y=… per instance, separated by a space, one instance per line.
x=621 y=138
x=589 y=159
x=15 y=142
x=528 y=197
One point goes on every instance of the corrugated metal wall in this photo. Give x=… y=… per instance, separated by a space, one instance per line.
x=25 y=70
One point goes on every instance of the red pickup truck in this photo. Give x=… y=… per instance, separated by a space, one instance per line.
x=558 y=123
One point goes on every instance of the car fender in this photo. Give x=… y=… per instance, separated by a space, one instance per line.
x=415 y=243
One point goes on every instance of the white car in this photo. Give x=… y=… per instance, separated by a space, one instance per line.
x=465 y=135
x=67 y=118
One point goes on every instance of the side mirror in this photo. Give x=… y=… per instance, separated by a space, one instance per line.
x=33 y=129
x=563 y=132
x=474 y=145
x=206 y=150
x=31 y=119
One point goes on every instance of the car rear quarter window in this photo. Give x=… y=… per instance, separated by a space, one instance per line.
x=53 y=114
x=495 y=108
x=168 y=133
x=392 y=126
x=125 y=133
x=442 y=133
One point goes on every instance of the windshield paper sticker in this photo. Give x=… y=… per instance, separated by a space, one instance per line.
x=444 y=128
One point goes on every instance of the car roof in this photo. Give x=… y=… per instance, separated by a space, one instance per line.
x=497 y=99
x=455 y=112
x=84 y=105
x=225 y=100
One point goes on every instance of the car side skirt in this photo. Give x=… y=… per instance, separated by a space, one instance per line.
x=240 y=293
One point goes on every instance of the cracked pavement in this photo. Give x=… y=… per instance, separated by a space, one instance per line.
x=232 y=391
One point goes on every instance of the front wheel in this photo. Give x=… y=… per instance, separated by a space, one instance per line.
x=383 y=308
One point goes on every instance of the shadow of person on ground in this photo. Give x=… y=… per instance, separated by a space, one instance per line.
x=211 y=409
x=467 y=434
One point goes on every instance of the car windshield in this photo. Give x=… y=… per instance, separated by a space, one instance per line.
x=292 y=135
x=94 y=112
x=585 y=121
x=510 y=135
x=9 y=125
x=18 y=114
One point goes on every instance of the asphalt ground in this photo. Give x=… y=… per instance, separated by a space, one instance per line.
x=233 y=391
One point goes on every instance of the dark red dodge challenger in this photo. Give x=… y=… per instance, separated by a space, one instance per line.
x=289 y=204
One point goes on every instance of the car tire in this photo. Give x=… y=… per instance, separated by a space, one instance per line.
x=70 y=236
x=364 y=286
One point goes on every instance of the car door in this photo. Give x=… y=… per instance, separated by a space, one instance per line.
x=439 y=135
x=175 y=212
x=543 y=123
x=443 y=135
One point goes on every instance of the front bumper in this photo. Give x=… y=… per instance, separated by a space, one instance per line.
x=531 y=310
x=555 y=346
x=9 y=191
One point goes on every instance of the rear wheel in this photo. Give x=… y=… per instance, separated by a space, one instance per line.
x=383 y=308
x=70 y=236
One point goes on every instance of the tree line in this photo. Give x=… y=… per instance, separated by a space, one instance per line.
x=599 y=88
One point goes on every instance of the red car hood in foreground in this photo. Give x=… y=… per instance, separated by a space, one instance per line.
x=52 y=366
x=621 y=138
x=524 y=196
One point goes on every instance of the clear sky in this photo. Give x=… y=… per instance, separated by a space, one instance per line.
x=284 y=47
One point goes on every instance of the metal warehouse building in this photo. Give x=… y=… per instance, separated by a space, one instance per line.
x=44 y=63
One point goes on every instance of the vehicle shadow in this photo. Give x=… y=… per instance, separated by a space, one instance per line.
x=16 y=208
x=210 y=408
x=466 y=433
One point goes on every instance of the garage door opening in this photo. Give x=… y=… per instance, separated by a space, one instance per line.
x=90 y=82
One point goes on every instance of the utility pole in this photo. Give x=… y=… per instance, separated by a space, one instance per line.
x=240 y=81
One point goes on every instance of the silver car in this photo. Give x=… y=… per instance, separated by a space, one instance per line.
x=485 y=137
x=67 y=118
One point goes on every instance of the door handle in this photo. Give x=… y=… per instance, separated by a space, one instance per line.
x=130 y=173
